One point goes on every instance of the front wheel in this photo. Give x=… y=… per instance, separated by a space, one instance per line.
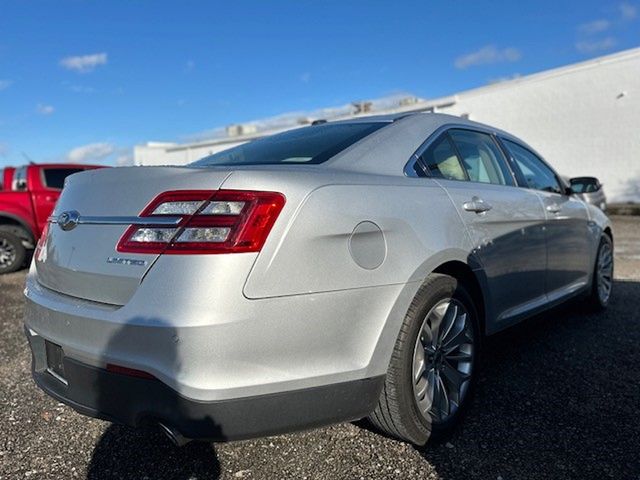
x=602 y=284
x=434 y=364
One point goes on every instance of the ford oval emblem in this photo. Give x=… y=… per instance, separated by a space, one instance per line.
x=68 y=220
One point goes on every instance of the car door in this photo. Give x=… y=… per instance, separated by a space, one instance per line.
x=567 y=224
x=505 y=223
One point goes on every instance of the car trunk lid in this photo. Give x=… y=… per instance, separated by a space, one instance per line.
x=82 y=260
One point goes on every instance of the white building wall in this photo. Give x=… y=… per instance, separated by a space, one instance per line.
x=583 y=118
x=174 y=154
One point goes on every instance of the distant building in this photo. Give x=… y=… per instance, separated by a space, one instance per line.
x=583 y=118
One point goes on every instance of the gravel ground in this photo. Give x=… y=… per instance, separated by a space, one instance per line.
x=557 y=398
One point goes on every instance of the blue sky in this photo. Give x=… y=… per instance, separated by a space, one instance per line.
x=85 y=81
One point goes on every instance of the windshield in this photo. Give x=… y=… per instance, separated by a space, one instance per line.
x=307 y=145
x=584 y=185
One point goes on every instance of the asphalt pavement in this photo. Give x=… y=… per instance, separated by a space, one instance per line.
x=558 y=397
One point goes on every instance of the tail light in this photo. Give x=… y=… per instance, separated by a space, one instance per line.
x=41 y=247
x=223 y=221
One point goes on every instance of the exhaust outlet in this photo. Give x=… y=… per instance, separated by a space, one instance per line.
x=174 y=435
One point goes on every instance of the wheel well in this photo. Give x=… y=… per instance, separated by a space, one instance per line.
x=463 y=273
x=609 y=233
x=16 y=227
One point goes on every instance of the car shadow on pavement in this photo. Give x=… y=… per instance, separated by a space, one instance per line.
x=557 y=397
x=146 y=452
x=125 y=452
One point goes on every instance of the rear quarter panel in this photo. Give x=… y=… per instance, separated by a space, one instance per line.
x=404 y=228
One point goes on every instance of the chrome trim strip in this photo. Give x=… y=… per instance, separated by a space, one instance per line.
x=142 y=221
x=56 y=376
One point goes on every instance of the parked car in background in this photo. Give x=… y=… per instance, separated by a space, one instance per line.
x=590 y=190
x=27 y=198
x=328 y=273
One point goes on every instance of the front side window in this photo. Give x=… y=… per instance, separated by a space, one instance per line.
x=441 y=160
x=55 y=177
x=481 y=157
x=308 y=145
x=536 y=173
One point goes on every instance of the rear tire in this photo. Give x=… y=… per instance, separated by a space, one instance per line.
x=12 y=252
x=439 y=345
x=602 y=283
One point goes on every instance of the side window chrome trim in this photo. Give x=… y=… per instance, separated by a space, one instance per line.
x=409 y=170
x=521 y=144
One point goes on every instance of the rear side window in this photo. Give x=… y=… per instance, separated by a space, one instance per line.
x=441 y=160
x=54 y=177
x=19 y=182
x=308 y=145
x=536 y=173
x=481 y=157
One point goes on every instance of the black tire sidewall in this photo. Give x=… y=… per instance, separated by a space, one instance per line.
x=440 y=288
x=19 y=249
x=595 y=296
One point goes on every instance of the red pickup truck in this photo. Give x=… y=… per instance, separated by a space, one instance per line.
x=27 y=197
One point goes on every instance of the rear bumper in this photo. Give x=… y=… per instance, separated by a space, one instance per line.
x=119 y=398
x=209 y=350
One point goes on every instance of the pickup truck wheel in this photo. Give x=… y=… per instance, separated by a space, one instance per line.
x=12 y=252
x=433 y=366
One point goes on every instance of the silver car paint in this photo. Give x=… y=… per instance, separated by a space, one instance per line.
x=302 y=312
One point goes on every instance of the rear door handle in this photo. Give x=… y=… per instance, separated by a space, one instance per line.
x=477 y=205
x=554 y=208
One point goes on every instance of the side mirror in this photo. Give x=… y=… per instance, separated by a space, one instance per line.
x=584 y=185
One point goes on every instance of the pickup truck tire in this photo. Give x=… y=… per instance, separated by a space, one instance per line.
x=12 y=251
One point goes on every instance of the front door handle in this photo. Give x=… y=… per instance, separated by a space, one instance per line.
x=477 y=205
x=554 y=208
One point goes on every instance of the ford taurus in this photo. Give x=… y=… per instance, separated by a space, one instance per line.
x=329 y=273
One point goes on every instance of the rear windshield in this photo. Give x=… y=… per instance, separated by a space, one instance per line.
x=55 y=177
x=307 y=145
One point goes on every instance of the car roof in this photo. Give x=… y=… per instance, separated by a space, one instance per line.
x=387 y=150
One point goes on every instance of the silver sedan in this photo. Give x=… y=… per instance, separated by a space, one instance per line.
x=329 y=273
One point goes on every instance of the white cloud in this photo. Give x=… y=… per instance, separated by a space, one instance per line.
x=84 y=63
x=628 y=11
x=596 y=46
x=45 y=109
x=487 y=55
x=595 y=26
x=90 y=153
x=124 y=160
x=4 y=84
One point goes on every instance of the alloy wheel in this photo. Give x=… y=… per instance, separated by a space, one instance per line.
x=604 y=272
x=7 y=253
x=443 y=360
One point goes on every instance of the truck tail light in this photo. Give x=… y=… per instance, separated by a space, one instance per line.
x=206 y=222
